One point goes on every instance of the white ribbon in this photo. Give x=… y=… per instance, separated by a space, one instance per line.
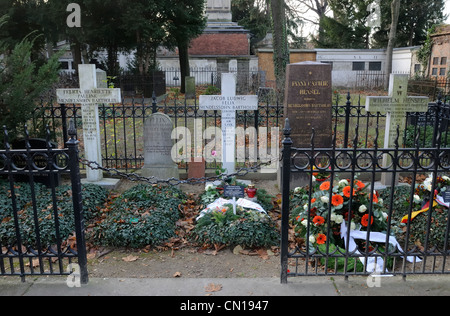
x=241 y=202
x=374 y=264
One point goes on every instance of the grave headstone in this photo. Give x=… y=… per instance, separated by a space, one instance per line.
x=228 y=103
x=89 y=96
x=396 y=105
x=158 y=146
x=190 y=87
x=308 y=105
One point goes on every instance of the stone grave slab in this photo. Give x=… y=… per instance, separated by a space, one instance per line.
x=308 y=105
x=158 y=146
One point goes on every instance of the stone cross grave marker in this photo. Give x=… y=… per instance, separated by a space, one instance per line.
x=396 y=105
x=229 y=103
x=89 y=96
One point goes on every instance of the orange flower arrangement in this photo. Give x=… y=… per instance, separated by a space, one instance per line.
x=325 y=186
x=337 y=200
x=320 y=215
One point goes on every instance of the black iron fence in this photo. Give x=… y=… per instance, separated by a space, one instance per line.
x=122 y=125
x=38 y=235
x=361 y=210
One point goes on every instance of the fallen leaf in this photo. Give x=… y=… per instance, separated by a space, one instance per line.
x=130 y=258
x=91 y=255
x=35 y=263
x=213 y=287
x=263 y=254
x=177 y=274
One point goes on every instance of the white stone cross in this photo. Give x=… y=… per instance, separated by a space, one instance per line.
x=229 y=103
x=89 y=96
x=396 y=105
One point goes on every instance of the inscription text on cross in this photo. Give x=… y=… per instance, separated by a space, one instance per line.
x=228 y=103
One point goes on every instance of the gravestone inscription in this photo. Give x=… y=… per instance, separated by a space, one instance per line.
x=308 y=105
x=228 y=103
x=89 y=96
x=396 y=105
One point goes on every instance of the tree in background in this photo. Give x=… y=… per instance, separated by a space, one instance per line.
x=22 y=82
x=254 y=16
x=395 y=13
x=280 y=43
x=147 y=36
x=319 y=7
x=184 y=22
x=348 y=28
x=416 y=17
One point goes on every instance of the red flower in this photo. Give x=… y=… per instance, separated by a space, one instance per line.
x=375 y=198
x=318 y=220
x=321 y=239
x=365 y=220
x=347 y=190
x=325 y=186
x=360 y=185
x=337 y=200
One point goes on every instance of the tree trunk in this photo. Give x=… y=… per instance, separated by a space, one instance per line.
x=75 y=48
x=395 y=11
x=280 y=44
x=183 y=53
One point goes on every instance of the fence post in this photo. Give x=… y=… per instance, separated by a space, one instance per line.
x=154 y=103
x=347 y=120
x=75 y=177
x=437 y=118
x=285 y=181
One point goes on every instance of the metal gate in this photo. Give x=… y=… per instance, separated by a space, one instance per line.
x=32 y=242
x=341 y=223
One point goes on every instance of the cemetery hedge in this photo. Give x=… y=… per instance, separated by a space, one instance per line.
x=247 y=228
x=418 y=226
x=93 y=198
x=143 y=215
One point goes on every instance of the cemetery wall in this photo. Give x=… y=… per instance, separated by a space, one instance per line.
x=265 y=60
x=348 y=62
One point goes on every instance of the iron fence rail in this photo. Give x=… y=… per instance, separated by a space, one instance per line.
x=123 y=124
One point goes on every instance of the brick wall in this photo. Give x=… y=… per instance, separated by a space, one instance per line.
x=440 y=55
x=265 y=61
x=221 y=44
